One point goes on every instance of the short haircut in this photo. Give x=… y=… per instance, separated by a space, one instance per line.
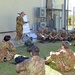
x=22 y=13
x=66 y=44
x=7 y=38
x=63 y=28
x=46 y=26
x=35 y=50
x=54 y=28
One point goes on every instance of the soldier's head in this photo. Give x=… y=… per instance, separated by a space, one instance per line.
x=65 y=45
x=46 y=28
x=22 y=14
x=63 y=29
x=54 y=29
x=34 y=51
x=7 y=38
x=40 y=29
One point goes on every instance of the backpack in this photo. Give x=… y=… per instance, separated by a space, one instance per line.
x=28 y=43
x=29 y=49
x=19 y=59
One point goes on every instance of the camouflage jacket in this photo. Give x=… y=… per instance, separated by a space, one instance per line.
x=46 y=32
x=32 y=66
x=65 y=60
x=20 y=21
x=63 y=34
x=5 y=48
x=39 y=32
x=53 y=34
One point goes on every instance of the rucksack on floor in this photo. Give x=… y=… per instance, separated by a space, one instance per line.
x=28 y=43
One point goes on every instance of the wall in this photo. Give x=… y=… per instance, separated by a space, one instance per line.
x=59 y=4
x=10 y=8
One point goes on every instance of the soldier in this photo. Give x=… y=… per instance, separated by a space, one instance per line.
x=63 y=58
x=40 y=34
x=19 y=27
x=32 y=66
x=7 y=49
x=72 y=34
x=47 y=33
x=63 y=35
x=54 y=35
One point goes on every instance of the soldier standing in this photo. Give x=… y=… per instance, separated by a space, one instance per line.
x=19 y=27
x=32 y=66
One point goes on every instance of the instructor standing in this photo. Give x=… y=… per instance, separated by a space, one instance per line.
x=19 y=27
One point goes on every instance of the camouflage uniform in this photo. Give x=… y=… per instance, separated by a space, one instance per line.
x=54 y=35
x=32 y=66
x=47 y=33
x=63 y=35
x=7 y=50
x=40 y=34
x=72 y=34
x=19 y=27
x=64 y=61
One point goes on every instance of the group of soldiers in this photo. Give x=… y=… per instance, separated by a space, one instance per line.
x=64 y=58
x=31 y=66
x=53 y=35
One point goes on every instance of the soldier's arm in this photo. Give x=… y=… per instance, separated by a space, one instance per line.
x=11 y=47
x=52 y=55
x=57 y=35
x=58 y=52
x=50 y=34
x=19 y=21
x=26 y=22
x=21 y=66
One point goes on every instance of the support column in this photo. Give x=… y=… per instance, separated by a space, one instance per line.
x=65 y=22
